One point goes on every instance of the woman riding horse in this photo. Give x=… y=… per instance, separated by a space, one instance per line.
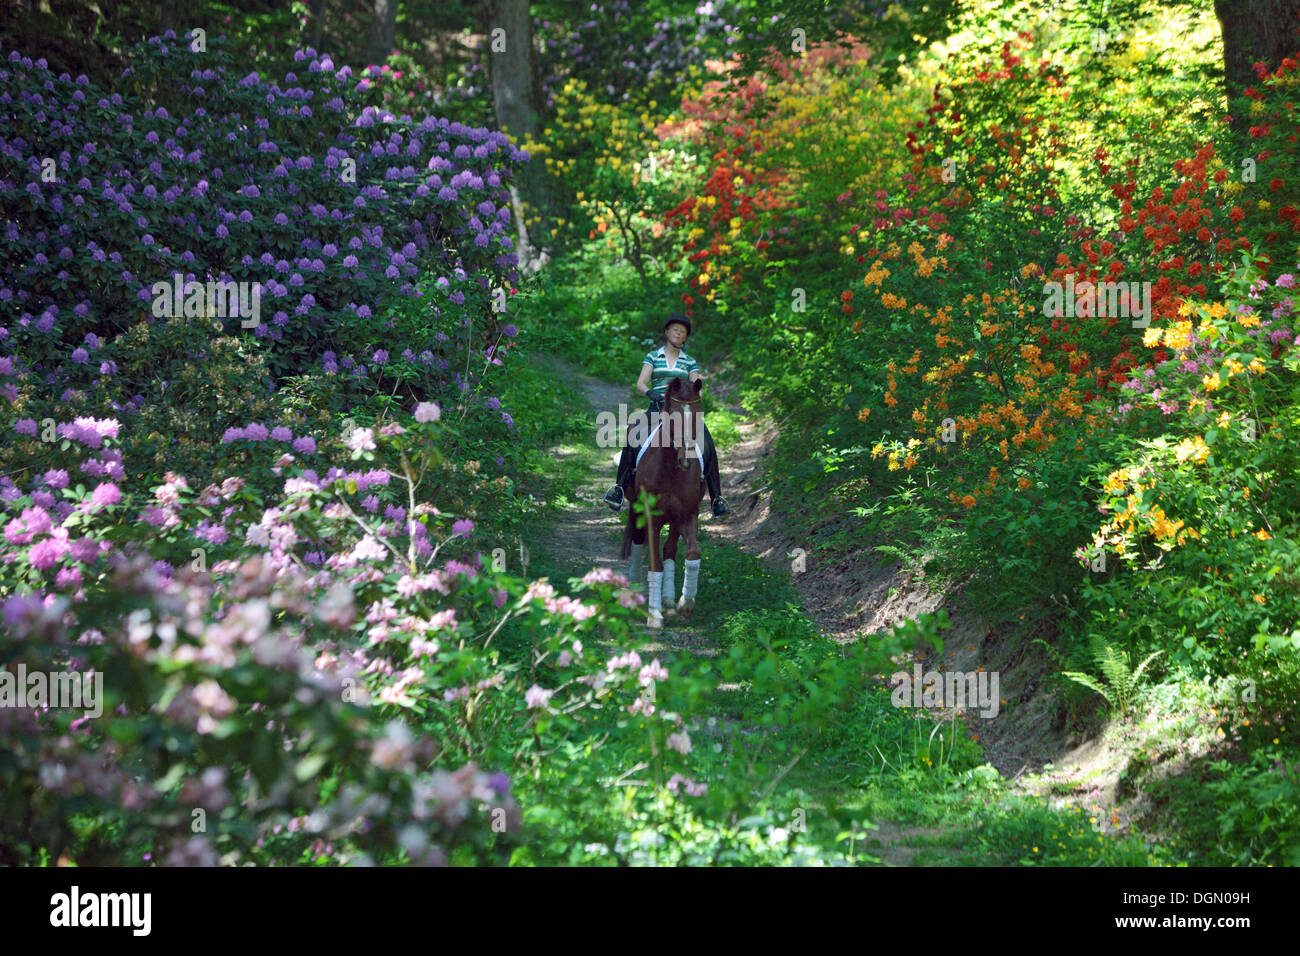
x=659 y=368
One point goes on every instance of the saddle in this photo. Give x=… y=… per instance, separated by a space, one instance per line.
x=650 y=440
x=699 y=454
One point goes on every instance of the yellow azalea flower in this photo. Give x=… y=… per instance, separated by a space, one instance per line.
x=863 y=413
x=1211 y=383
x=1262 y=535
x=1218 y=310
x=1180 y=336
x=1256 y=366
x=1192 y=449
x=1151 y=337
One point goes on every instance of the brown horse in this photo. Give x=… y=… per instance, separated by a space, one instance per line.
x=670 y=474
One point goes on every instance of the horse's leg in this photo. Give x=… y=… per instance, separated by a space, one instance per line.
x=636 y=557
x=691 y=576
x=670 y=569
x=654 y=579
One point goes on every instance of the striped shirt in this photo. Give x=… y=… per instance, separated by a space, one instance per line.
x=662 y=374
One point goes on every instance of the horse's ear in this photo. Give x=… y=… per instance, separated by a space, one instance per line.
x=699 y=385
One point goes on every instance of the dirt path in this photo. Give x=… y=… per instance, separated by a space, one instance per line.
x=591 y=537
x=849 y=598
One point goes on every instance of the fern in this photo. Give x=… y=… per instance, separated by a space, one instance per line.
x=1121 y=683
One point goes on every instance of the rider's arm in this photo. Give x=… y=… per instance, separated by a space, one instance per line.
x=643 y=383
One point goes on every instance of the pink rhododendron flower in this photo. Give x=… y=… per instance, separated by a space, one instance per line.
x=105 y=494
x=537 y=697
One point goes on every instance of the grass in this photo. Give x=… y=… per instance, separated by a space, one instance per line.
x=868 y=763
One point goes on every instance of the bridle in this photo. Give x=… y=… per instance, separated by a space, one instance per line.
x=683 y=456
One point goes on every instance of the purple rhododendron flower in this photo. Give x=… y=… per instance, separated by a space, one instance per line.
x=105 y=494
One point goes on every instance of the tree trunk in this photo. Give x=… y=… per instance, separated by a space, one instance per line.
x=382 y=28
x=516 y=98
x=315 y=23
x=167 y=18
x=1254 y=31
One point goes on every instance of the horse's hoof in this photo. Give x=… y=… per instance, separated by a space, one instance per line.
x=654 y=623
x=686 y=605
x=669 y=610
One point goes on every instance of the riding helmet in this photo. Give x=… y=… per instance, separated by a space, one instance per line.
x=678 y=318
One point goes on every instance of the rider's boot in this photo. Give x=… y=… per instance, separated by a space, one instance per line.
x=714 y=483
x=614 y=497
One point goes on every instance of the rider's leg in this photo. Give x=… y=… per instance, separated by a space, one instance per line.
x=626 y=464
x=614 y=497
x=711 y=476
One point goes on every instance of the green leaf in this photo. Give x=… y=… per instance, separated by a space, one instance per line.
x=309 y=766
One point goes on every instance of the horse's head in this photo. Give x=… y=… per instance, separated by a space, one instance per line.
x=683 y=407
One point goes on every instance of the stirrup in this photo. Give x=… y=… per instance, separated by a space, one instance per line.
x=614 y=498
x=720 y=507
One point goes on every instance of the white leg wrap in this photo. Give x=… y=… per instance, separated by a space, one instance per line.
x=691 y=578
x=636 y=566
x=670 y=580
x=655 y=603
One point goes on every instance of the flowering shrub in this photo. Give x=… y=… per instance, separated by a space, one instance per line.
x=342 y=592
x=765 y=158
x=234 y=171
x=231 y=173
x=606 y=165
x=1202 y=501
